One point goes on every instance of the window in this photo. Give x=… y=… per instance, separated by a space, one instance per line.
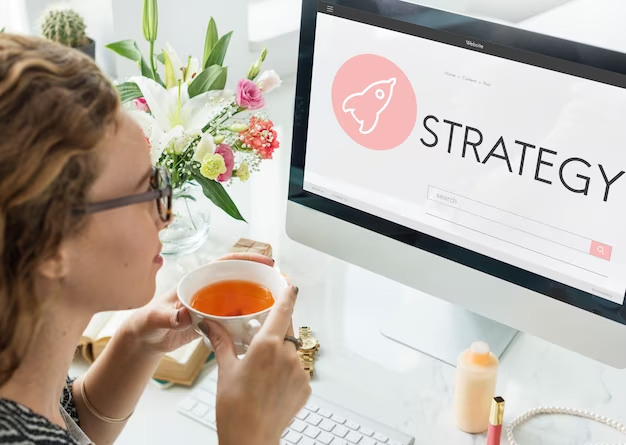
x=13 y=15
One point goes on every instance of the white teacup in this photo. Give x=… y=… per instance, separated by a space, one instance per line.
x=242 y=328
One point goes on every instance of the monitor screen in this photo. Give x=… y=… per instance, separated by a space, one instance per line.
x=508 y=160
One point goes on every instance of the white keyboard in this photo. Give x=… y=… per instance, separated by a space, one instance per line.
x=319 y=423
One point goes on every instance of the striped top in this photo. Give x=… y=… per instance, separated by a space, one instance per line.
x=19 y=425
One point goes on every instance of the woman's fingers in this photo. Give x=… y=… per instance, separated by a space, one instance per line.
x=183 y=317
x=279 y=319
x=248 y=256
x=223 y=346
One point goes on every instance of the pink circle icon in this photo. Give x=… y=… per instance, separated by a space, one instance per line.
x=374 y=102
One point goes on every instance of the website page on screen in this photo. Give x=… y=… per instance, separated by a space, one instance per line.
x=520 y=163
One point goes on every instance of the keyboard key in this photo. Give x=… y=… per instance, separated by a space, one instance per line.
x=298 y=425
x=210 y=416
x=203 y=395
x=354 y=437
x=340 y=431
x=188 y=404
x=293 y=437
x=366 y=432
x=338 y=419
x=313 y=425
x=327 y=425
x=210 y=385
x=381 y=438
x=200 y=410
x=325 y=438
x=312 y=432
x=302 y=414
x=314 y=419
x=312 y=408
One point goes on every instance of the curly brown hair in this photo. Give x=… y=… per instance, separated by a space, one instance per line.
x=55 y=106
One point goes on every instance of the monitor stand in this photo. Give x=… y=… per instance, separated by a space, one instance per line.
x=440 y=329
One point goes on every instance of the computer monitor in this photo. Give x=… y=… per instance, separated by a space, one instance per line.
x=478 y=163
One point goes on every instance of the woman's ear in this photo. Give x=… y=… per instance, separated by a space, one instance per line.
x=54 y=267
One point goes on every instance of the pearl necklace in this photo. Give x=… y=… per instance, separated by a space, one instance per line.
x=560 y=410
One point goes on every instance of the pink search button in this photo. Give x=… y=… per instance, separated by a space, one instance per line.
x=601 y=250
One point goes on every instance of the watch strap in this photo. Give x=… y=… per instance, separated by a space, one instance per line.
x=307 y=357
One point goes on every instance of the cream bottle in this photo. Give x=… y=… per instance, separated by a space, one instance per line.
x=476 y=376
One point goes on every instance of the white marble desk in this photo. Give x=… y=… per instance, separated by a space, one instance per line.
x=361 y=369
x=364 y=371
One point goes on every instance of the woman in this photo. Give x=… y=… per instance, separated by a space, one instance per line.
x=67 y=147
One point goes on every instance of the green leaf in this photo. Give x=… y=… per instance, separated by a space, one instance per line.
x=161 y=58
x=130 y=50
x=218 y=53
x=212 y=78
x=126 y=48
x=185 y=197
x=216 y=193
x=2 y=30
x=209 y=41
x=129 y=91
x=146 y=70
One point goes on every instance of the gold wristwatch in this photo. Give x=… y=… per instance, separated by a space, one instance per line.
x=309 y=349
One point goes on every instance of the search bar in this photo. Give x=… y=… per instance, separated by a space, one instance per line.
x=518 y=230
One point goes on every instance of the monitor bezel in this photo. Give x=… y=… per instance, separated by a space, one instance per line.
x=500 y=40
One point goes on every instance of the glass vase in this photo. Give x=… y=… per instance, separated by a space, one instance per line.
x=190 y=226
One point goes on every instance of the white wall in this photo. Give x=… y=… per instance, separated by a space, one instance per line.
x=183 y=24
x=99 y=17
x=274 y=23
x=13 y=16
x=26 y=15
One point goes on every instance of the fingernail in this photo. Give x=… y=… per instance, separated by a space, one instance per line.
x=296 y=290
x=273 y=262
x=178 y=316
x=204 y=328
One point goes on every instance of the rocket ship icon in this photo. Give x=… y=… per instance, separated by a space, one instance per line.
x=367 y=105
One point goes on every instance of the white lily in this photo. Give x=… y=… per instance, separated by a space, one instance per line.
x=153 y=133
x=175 y=71
x=174 y=114
x=205 y=147
x=191 y=70
x=173 y=67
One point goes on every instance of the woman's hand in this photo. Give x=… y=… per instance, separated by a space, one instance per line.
x=259 y=395
x=164 y=325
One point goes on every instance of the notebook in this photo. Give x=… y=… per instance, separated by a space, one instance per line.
x=181 y=366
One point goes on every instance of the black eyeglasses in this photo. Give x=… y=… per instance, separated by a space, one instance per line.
x=161 y=192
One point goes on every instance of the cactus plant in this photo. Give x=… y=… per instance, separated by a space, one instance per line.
x=66 y=27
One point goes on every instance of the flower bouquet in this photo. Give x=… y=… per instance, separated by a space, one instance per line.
x=202 y=133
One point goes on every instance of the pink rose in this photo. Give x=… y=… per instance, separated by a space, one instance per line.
x=142 y=105
x=229 y=159
x=249 y=95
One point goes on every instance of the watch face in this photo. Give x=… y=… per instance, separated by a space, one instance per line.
x=309 y=343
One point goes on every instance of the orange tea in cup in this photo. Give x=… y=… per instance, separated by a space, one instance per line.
x=232 y=298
